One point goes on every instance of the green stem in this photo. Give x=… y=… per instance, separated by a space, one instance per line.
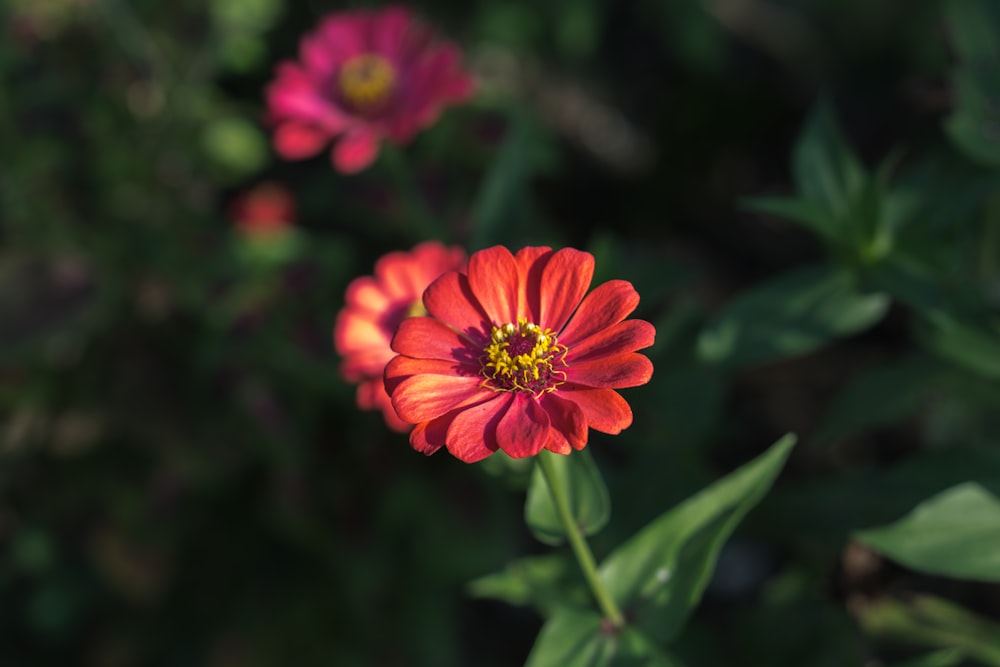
x=421 y=219
x=580 y=547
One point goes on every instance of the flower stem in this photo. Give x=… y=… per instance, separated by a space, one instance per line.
x=579 y=543
x=421 y=219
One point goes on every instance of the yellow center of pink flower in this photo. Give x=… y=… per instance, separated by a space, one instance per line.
x=367 y=81
x=523 y=357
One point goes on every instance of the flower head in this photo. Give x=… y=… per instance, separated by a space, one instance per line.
x=361 y=76
x=375 y=306
x=515 y=355
x=265 y=211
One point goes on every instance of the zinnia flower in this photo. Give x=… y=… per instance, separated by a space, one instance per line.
x=375 y=305
x=266 y=210
x=514 y=356
x=363 y=75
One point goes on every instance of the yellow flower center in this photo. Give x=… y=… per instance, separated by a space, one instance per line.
x=367 y=81
x=523 y=357
x=416 y=309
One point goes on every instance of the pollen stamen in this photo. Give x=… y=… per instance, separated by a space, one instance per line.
x=523 y=357
x=366 y=82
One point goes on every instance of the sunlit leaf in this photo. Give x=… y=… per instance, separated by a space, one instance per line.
x=788 y=316
x=956 y=534
x=545 y=582
x=658 y=576
x=588 y=497
x=576 y=638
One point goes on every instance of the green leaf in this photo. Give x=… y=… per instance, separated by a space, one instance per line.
x=545 y=582
x=955 y=534
x=659 y=575
x=974 y=125
x=824 y=167
x=946 y=658
x=788 y=316
x=973 y=345
x=806 y=212
x=588 y=497
x=577 y=638
x=929 y=621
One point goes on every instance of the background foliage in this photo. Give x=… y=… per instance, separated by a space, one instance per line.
x=805 y=194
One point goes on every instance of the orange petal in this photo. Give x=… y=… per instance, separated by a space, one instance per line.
x=604 y=409
x=420 y=398
x=472 y=434
x=567 y=418
x=608 y=304
x=493 y=277
x=450 y=299
x=565 y=280
x=627 y=336
x=623 y=370
x=524 y=430
x=427 y=338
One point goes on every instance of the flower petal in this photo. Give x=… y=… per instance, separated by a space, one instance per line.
x=296 y=141
x=624 y=370
x=565 y=280
x=524 y=429
x=356 y=150
x=627 y=336
x=450 y=299
x=557 y=443
x=608 y=304
x=472 y=434
x=428 y=338
x=493 y=277
x=428 y=437
x=399 y=368
x=371 y=396
x=567 y=418
x=531 y=262
x=604 y=409
x=420 y=398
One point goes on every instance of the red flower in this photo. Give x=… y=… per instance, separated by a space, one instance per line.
x=515 y=357
x=363 y=75
x=264 y=211
x=375 y=305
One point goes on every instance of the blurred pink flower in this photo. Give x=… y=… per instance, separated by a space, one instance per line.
x=361 y=76
x=265 y=210
x=374 y=308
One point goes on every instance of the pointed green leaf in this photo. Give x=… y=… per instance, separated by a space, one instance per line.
x=790 y=315
x=588 y=497
x=973 y=345
x=545 y=582
x=955 y=534
x=946 y=658
x=577 y=638
x=824 y=167
x=806 y=212
x=659 y=575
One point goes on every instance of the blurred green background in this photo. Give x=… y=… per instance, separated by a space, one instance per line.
x=184 y=478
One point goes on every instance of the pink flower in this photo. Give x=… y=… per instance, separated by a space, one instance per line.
x=375 y=306
x=514 y=356
x=363 y=75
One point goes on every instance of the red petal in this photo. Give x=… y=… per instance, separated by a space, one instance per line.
x=608 y=304
x=472 y=434
x=627 y=336
x=399 y=368
x=427 y=338
x=524 y=430
x=493 y=277
x=295 y=141
x=557 y=443
x=356 y=331
x=356 y=150
x=428 y=437
x=623 y=370
x=423 y=397
x=531 y=263
x=365 y=292
x=605 y=410
x=565 y=280
x=567 y=418
x=450 y=299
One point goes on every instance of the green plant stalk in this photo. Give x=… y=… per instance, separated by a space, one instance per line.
x=422 y=220
x=580 y=547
